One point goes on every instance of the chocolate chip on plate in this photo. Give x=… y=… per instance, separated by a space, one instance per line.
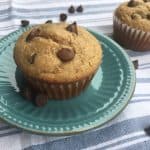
x=34 y=33
x=41 y=99
x=72 y=28
x=136 y=64
x=65 y=54
x=63 y=17
x=133 y=3
x=79 y=8
x=31 y=59
x=24 y=23
x=49 y=21
x=27 y=93
x=71 y=9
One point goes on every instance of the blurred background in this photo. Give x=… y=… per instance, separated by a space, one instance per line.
x=96 y=13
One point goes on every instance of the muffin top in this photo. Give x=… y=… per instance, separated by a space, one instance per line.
x=135 y=13
x=57 y=52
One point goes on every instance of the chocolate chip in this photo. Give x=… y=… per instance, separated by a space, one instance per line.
x=136 y=64
x=146 y=1
x=27 y=93
x=148 y=16
x=79 y=8
x=63 y=17
x=32 y=58
x=65 y=54
x=49 y=21
x=41 y=99
x=72 y=28
x=133 y=3
x=24 y=23
x=34 y=33
x=71 y=9
x=147 y=130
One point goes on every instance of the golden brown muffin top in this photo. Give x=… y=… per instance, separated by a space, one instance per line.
x=51 y=52
x=135 y=13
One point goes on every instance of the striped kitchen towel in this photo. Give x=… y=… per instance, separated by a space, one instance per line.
x=125 y=132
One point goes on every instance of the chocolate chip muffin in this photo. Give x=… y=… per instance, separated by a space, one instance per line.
x=132 y=25
x=58 y=59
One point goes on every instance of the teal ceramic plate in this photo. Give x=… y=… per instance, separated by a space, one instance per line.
x=108 y=93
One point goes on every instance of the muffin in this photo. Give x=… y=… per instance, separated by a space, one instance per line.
x=132 y=25
x=58 y=59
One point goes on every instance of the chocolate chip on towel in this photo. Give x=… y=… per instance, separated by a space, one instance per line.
x=136 y=64
x=72 y=28
x=79 y=8
x=63 y=17
x=24 y=23
x=49 y=21
x=71 y=9
x=65 y=54
x=147 y=131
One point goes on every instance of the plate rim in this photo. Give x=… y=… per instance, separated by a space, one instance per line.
x=94 y=125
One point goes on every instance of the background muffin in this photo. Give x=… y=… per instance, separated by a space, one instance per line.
x=58 y=59
x=132 y=25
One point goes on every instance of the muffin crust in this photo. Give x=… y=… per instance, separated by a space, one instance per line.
x=37 y=57
x=136 y=15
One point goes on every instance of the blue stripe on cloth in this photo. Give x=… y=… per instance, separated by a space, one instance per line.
x=134 y=53
x=33 y=10
x=140 y=146
x=5 y=128
x=140 y=100
x=5 y=2
x=143 y=68
x=124 y=141
x=49 y=16
x=83 y=22
x=141 y=95
x=9 y=27
x=8 y=130
x=143 y=80
x=11 y=133
x=145 y=64
x=58 y=1
x=87 y=139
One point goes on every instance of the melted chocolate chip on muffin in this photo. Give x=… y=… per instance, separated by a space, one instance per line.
x=65 y=54
x=133 y=3
x=72 y=28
